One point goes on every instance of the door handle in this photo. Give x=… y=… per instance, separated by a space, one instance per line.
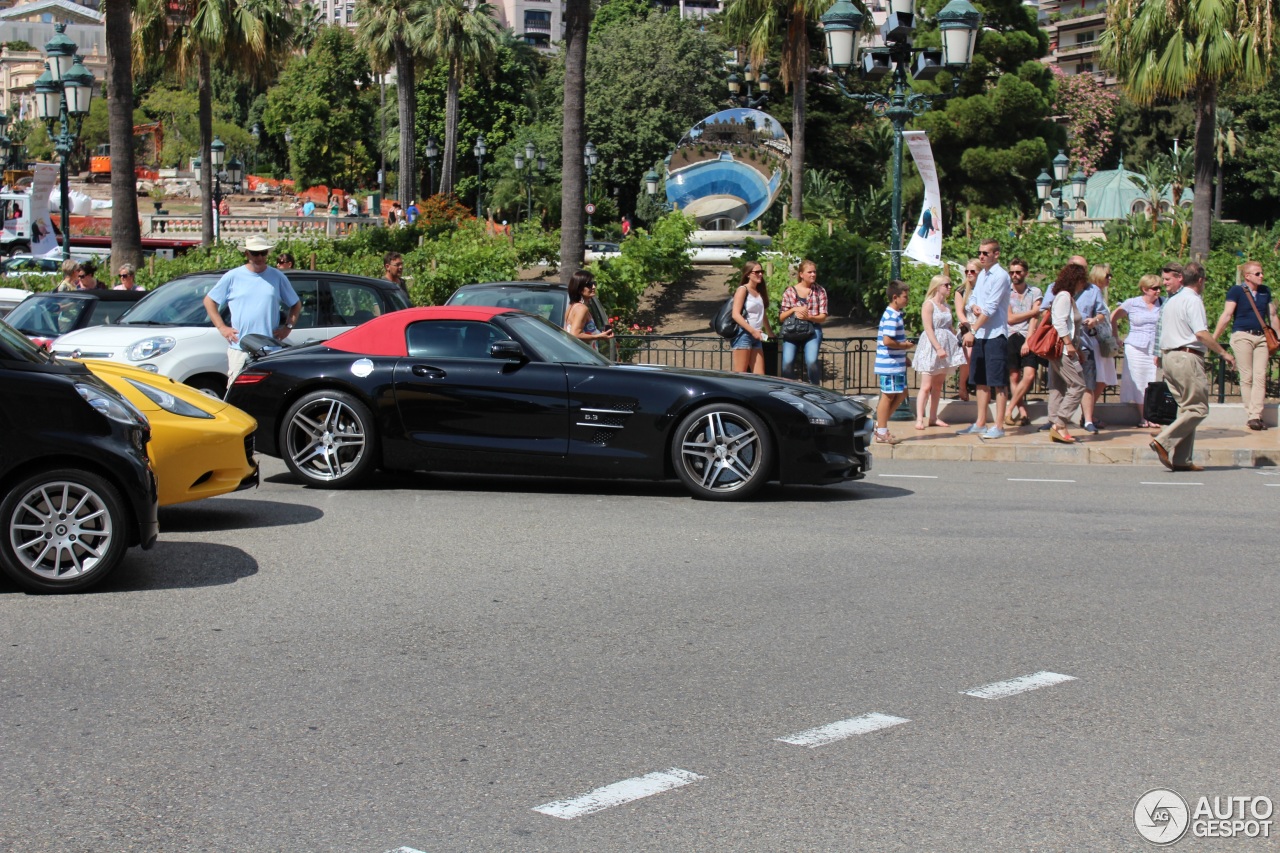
x=428 y=372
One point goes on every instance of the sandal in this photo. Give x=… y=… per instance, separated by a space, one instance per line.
x=885 y=438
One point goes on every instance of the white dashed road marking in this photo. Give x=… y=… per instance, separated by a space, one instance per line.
x=1168 y=483
x=1030 y=480
x=1021 y=684
x=832 y=732
x=619 y=793
x=405 y=850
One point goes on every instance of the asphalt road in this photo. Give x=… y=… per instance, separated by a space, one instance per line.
x=425 y=664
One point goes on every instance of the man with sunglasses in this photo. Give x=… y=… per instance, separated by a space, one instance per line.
x=989 y=339
x=254 y=293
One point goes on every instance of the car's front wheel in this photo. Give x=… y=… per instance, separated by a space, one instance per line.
x=328 y=439
x=722 y=452
x=64 y=530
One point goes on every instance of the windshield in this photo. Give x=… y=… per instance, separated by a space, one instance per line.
x=14 y=344
x=546 y=303
x=48 y=316
x=178 y=303
x=552 y=342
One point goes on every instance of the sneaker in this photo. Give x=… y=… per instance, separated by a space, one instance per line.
x=1091 y=427
x=992 y=432
x=971 y=429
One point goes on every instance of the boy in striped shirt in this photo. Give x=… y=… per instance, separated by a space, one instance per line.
x=891 y=359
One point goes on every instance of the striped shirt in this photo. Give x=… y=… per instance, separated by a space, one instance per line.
x=890 y=362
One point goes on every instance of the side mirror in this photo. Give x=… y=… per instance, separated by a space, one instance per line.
x=510 y=350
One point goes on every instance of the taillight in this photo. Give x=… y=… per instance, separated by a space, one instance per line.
x=250 y=377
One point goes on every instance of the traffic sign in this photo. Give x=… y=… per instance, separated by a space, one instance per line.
x=591 y=208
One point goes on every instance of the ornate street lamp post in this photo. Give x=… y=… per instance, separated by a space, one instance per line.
x=589 y=159
x=959 y=22
x=480 y=150
x=433 y=154
x=1045 y=190
x=217 y=157
x=745 y=99
x=63 y=93
x=525 y=163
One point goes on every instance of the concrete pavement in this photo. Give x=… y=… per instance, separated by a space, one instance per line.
x=1221 y=442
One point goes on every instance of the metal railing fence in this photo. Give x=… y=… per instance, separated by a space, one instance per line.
x=848 y=364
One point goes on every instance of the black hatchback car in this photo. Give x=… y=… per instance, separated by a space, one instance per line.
x=44 y=316
x=76 y=486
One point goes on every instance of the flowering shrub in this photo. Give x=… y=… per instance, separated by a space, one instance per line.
x=1091 y=113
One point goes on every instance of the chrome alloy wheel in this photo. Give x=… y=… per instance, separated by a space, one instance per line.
x=326 y=439
x=60 y=530
x=721 y=451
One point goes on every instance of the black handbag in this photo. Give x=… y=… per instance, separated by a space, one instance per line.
x=723 y=323
x=796 y=330
x=1158 y=405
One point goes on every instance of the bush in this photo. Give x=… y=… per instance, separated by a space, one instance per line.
x=656 y=256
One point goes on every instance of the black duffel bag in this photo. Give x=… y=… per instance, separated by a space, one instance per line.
x=1158 y=405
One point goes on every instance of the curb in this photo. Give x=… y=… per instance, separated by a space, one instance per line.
x=1003 y=450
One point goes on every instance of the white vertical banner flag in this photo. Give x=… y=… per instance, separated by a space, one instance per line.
x=925 y=245
x=43 y=240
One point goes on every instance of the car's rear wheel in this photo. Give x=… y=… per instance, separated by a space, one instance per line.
x=328 y=439
x=64 y=530
x=722 y=452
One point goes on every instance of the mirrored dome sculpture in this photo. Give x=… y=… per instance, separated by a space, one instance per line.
x=729 y=168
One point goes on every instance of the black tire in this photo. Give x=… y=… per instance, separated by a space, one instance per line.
x=64 y=531
x=212 y=384
x=327 y=439
x=722 y=452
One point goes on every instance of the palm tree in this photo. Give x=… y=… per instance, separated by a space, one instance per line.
x=759 y=23
x=464 y=38
x=1188 y=49
x=307 y=22
x=126 y=231
x=577 y=24
x=246 y=38
x=391 y=30
x=1227 y=139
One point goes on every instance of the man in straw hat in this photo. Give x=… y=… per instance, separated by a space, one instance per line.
x=254 y=293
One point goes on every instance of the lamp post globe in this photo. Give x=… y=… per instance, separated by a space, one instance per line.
x=959 y=22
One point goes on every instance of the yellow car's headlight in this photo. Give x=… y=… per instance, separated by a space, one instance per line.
x=169 y=402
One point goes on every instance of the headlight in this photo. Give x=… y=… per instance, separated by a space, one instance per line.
x=812 y=413
x=150 y=348
x=169 y=402
x=117 y=408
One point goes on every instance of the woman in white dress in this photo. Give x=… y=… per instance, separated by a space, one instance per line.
x=1143 y=313
x=937 y=353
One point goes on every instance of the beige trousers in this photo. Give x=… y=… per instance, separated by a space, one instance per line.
x=1189 y=385
x=1066 y=388
x=1250 y=351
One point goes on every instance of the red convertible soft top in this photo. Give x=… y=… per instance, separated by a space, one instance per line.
x=385 y=335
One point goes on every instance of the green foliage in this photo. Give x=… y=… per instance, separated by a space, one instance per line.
x=656 y=256
x=464 y=256
x=19 y=46
x=648 y=81
x=325 y=98
x=1251 y=181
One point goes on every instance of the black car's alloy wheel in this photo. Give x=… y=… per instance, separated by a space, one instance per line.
x=722 y=452
x=64 y=530
x=328 y=439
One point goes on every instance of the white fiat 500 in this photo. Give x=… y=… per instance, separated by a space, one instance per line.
x=168 y=331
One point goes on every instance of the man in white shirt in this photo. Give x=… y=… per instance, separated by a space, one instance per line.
x=1184 y=337
x=988 y=337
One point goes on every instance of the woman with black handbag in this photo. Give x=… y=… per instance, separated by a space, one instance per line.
x=803 y=309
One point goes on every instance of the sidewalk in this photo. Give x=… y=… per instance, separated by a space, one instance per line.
x=1222 y=441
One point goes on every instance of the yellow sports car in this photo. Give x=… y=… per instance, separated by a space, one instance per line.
x=200 y=446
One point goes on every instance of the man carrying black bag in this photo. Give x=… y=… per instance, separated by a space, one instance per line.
x=1184 y=337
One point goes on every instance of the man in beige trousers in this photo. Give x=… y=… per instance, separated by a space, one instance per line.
x=1184 y=337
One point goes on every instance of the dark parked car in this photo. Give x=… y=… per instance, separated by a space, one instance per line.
x=544 y=298
x=495 y=390
x=76 y=487
x=45 y=316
